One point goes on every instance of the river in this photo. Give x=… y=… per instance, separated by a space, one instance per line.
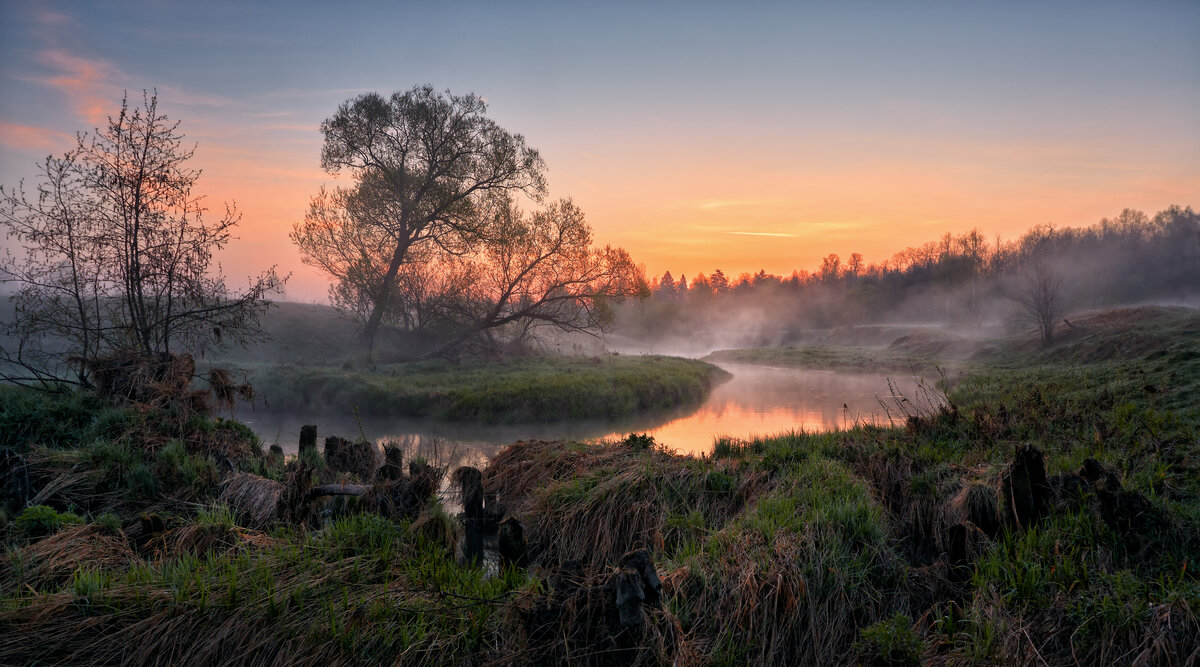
x=756 y=401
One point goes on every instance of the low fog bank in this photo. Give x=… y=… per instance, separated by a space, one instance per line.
x=960 y=288
x=946 y=294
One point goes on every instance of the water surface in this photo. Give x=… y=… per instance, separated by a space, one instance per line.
x=756 y=401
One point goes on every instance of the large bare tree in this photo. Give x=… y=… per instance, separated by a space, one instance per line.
x=116 y=256
x=426 y=166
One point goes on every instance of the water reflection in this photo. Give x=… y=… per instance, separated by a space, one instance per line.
x=756 y=401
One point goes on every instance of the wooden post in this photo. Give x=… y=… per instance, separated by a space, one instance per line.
x=308 y=438
x=471 y=484
x=393 y=463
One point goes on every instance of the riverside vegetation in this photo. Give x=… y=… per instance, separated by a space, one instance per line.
x=1047 y=510
x=520 y=389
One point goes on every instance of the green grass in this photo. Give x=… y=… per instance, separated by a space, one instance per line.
x=365 y=589
x=517 y=390
x=795 y=549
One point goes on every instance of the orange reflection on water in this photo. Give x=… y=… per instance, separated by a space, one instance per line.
x=756 y=401
x=763 y=401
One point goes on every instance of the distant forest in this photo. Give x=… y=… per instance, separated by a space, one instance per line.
x=967 y=281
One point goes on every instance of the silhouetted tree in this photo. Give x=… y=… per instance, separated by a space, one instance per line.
x=427 y=167
x=718 y=281
x=117 y=255
x=666 y=286
x=854 y=266
x=1041 y=300
x=829 y=267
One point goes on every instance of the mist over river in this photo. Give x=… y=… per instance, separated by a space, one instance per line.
x=755 y=401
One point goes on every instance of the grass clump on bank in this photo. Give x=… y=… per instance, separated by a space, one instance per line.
x=526 y=389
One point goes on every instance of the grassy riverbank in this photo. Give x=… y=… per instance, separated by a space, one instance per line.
x=916 y=350
x=923 y=543
x=522 y=389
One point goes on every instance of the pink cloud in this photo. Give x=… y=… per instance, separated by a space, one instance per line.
x=51 y=18
x=25 y=137
x=85 y=82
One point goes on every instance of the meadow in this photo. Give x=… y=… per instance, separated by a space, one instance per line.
x=1047 y=508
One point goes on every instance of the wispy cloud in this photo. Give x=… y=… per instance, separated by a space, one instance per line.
x=26 y=137
x=47 y=17
x=291 y=127
x=780 y=234
x=711 y=204
x=760 y=203
x=87 y=82
x=307 y=93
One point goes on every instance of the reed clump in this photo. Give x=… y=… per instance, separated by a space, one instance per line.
x=596 y=503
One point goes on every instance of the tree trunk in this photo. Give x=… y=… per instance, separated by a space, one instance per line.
x=382 y=299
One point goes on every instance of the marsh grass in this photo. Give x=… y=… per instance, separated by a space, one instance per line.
x=866 y=545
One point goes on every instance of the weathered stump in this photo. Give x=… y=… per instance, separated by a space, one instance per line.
x=275 y=456
x=15 y=490
x=511 y=545
x=626 y=594
x=308 y=438
x=639 y=561
x=963 y=542
x=1024 y=490
x=393 y=463
x=356 y=457
x=629 y=591
x=470 y=482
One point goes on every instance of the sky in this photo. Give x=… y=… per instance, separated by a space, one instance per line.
x=697 y=136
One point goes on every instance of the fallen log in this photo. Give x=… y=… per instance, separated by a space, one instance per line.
x=338 y=490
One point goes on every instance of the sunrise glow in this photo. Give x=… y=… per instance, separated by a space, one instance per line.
x=739 y=140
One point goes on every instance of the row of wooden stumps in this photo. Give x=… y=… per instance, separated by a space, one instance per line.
x=480 y=519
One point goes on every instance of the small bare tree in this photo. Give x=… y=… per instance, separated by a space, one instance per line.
x=533 y=272
x=1041 y=300
x=117 y=256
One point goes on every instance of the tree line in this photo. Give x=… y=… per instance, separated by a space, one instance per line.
x=965 y=279
x=444 y=240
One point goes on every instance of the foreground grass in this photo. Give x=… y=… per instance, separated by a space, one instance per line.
x=863 y=546
x=517 y=390
x=364 y=589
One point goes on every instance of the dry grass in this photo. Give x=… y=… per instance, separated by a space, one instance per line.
x=50 y=563
x=596 y=503
x=198 y=540
x=255 y=499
